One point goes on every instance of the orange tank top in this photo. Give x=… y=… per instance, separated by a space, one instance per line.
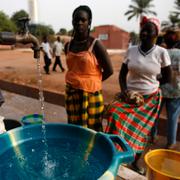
x=83 y=70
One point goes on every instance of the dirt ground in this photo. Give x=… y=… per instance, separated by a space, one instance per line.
x=19 y=66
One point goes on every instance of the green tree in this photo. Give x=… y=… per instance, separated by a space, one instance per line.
x=174 y=19
x=5 y=23
x=62 y=31
x=40 y=30
x=177 y=7
x=138 y=8
x=174 y=16
x=18 y=15
x=70 y=32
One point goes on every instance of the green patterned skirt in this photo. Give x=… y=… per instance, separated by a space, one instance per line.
x=84 y=108
x=134 y=123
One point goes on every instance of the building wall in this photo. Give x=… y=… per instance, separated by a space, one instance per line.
x=111 y=36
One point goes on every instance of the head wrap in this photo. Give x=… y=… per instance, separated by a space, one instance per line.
x=153 y=20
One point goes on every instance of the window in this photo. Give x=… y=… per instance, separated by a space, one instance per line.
x=103 y=36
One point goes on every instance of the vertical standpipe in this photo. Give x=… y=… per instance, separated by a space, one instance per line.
x=33 y=11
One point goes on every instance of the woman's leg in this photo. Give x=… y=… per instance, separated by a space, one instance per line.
x=73 y=105
x=173 y=112
x=95 y=109
x=154 y=130
x=135 y=167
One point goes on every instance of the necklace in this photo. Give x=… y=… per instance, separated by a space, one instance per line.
x=81 y=42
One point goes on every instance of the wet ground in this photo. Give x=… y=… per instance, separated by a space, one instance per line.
x=17 y=106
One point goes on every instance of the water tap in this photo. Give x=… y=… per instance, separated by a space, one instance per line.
x=24 y=37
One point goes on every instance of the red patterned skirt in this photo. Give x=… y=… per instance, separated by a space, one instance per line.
x=134 y=123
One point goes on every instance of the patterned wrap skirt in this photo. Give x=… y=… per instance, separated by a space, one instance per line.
x=133 y=123
x=84 y=108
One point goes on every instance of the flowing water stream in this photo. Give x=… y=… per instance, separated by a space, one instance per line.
x=40 y=87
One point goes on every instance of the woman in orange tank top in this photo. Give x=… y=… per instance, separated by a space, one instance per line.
x=88 y=64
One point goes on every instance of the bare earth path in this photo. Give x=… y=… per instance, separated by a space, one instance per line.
x=19 y=66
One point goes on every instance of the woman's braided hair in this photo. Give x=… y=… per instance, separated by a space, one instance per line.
x=89 y=12
x=86 y=9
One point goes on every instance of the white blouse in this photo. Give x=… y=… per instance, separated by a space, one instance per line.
x=144 y=68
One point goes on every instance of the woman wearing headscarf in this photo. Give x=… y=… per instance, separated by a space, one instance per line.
x=88 y=65
x=132 y=116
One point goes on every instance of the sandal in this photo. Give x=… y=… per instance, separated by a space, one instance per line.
x=139 y=170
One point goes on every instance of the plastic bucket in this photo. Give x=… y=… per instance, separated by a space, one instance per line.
x=163 y=164
x=32 y=119
x=61 y=151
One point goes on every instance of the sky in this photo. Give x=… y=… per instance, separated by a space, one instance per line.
x=58 y=13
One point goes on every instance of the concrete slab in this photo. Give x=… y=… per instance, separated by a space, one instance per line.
x=127 y=174
x=16 y=106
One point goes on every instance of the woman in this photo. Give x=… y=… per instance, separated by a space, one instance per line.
x=171 y=91
x=88 y=65
x=134 y=114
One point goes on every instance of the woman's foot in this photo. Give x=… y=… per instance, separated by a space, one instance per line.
x=171 y=146
x=138 y=169
x=153 y=139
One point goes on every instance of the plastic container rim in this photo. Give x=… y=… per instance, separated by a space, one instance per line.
x=148 y=154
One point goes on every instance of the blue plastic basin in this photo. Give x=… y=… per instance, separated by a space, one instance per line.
x=60 y=151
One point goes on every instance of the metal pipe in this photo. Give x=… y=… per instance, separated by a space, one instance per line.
x=9 y=38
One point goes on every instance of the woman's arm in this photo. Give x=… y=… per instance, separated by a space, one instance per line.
x=65 y=48
x=103 y=60
x=166 y=75
x=122 y=77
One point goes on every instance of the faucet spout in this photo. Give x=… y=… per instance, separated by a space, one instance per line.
x=9 y=38
x=29 y=38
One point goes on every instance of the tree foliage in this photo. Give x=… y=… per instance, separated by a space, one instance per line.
x=5 y=23
x=177 y=7
x=62 y=31
x=173 y=18
x=13 y=24
x=18 y=15
x=139 y=7
x=40 y=30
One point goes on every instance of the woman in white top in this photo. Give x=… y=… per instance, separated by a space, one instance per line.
x=132 y=116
